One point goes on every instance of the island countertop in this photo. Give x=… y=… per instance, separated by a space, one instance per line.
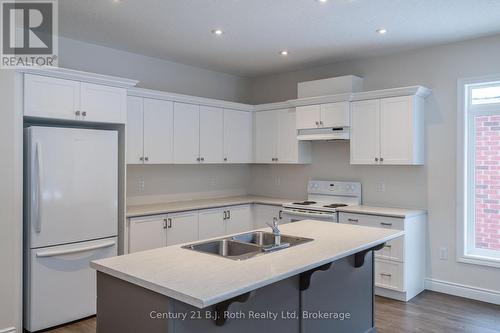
x=202 y=280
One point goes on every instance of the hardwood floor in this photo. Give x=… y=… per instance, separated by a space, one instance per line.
x=429 y=312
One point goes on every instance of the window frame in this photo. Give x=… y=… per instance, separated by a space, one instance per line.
x=466 y=251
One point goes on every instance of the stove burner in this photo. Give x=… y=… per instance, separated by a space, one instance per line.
x=334 y=205
x=305 y=203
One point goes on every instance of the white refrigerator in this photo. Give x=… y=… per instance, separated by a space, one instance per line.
x=71 y=218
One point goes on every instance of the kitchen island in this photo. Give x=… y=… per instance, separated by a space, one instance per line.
x=324 y=285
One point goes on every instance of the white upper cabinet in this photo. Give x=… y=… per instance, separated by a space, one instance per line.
x=308 y=116
x=323 y=115
x=47 y=97
x=158 y=131
x=335 y=115
x=186 y=133
x=387 y=131
x=237 y=136
x=211 y=134
x=149 y=131
x=103 y=104
x=276 y=138
x=266 y=136
x=365 y=132
x=135 y=130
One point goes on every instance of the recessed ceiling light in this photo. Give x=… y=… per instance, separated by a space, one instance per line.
x=217 y=32
x=117 y=1
x=284 y=53
x=322 y=1
x=381 y=31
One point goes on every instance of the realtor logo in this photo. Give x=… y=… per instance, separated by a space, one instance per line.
x=29 y=33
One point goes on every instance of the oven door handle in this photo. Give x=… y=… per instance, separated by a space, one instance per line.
x=305 y=214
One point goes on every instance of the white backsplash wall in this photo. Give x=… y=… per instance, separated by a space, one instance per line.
x=163 y=183
x=387 y=185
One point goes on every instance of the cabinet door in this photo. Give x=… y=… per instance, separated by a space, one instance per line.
x=47 y=97
x=240 y=219
x=335 y=114
x=182 y=228
x=237 y=136
x=266 y=136
x=134 y=128
x=103 y=104
x=211 y=223
x=211 y=134
x=264 y=214
x=308 y=116
x=365 y=132
x=396 y=130
x=147 y=233
x=186 y=133
x=288 y=145
x=158 y=131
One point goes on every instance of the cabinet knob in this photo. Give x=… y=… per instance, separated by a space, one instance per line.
x=84 y=113
x=225 y=159
x=198 y=159
x=146 y=158
x=141 y=158
x=203 y=159
x=77 y=113
x=376 y=159
x=169 y=223
x=321 y=123
x=317 y=123
x=381 y=159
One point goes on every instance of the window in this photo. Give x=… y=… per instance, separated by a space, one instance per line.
x=479 y=174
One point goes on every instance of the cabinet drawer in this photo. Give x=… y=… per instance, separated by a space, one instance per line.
x=372 y=221
x=393 y=250
x=389 y=274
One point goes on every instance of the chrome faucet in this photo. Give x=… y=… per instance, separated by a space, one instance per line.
x=276 y=232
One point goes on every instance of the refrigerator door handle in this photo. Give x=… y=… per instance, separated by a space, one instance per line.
x=36 y=217
x=77 y=250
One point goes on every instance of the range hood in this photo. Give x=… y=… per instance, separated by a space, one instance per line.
x=323 y=134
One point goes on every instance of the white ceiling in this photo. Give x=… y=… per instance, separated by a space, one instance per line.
x=256 y=30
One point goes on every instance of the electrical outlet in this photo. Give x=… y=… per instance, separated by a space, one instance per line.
x=141 y=185
x=443 y=253
x=381 y=187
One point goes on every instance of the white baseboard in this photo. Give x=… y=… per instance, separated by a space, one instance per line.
x=8 y=330
x=456 y=289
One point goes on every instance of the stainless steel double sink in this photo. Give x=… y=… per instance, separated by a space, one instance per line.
x=247 y=245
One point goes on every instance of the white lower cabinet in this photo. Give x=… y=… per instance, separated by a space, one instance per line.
x=151 y=232
x=264 y=214
x=400 y=265
x=224 y=221
x=182 y=227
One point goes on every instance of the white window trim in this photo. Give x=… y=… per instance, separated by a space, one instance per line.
x=463 y=211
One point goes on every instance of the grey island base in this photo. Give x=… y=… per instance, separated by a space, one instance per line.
x=326 y=285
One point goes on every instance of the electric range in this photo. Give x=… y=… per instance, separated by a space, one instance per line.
x=324 y=197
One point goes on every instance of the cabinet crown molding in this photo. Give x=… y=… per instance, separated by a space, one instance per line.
x=173 y=97
x=419 y=91
x=71 y=74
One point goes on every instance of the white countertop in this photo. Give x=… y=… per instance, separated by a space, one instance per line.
x=180 y=206
x=202 y=279
x=382 y=211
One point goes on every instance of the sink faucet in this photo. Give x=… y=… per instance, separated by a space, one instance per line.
x=276 y=232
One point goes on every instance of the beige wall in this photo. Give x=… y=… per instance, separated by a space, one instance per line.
x=432 y=186
x=10 y=205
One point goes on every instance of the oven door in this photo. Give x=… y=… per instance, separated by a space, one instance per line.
x=295 y=215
